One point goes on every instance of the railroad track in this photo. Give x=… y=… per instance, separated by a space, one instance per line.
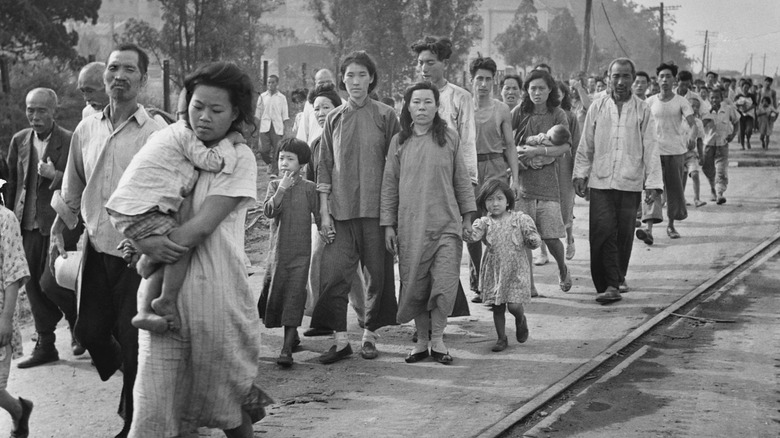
x=548 y=405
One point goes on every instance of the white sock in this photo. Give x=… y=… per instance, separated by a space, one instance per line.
x=437 y=345
x=342 y=340
x=369 y=336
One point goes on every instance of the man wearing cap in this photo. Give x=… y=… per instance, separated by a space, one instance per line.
x=36 y=162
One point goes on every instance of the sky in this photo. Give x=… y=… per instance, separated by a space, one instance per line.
x=742 y=27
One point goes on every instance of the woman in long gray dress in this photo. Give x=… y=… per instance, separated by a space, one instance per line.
x=427 y=196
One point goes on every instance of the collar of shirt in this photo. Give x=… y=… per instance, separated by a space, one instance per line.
x=354 y=106
x=140 y=115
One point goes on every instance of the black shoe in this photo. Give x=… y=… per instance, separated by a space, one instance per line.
x=317 y=332
x=76 y=347
x=23 y=425
x=334 y=355
x=369 y=351
x=40 y=355
x=442 y=358
x=416 y=357
x=477 y=299
x=285 y=359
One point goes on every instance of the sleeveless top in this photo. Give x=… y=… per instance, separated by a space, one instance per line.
x=489 y=138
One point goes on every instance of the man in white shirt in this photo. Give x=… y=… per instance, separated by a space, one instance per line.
x=670 y=111
x=272 y=113
x=309 y=129
x=616 y=159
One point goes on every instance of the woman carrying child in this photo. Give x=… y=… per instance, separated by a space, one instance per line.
x=426 y=205
x=290 y=203
x=204 y=373
x=505 y=276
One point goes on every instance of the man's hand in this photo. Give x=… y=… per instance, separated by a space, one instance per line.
x=467 y=231
x=580 y=186
x=391 y=240
x=56 y=242
x=47 y=169
x=327 y=230
x=161 y=249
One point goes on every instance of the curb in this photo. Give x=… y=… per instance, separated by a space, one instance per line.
x=771 y=162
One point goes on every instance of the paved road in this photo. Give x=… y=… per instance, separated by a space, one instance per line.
x=696 y=379
x=387 y=397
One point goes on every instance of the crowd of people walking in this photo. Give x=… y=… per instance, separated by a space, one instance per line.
x=161 y=201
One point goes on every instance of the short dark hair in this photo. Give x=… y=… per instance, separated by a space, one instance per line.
x=666 y=66
x=517 y=78
x=143 y=58
x=684 y=75
x=726 y=79
x=359 y=57
x=485 y=63
x=643 y=74
x=565 y=96
x=769 y=79
x=712 y=73
x=492 y=186
x=299 y=95
x=327 y=90
x=766 y=99
x=229 y=77
x=717 y=89
x=543 y=66
x=441 y=47
x=622 y=61
x=274 y=77
x=297 y=147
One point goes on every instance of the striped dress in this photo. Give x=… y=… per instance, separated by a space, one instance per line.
x=203 y=374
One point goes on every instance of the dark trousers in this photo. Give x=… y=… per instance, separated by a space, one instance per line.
x=269 y=150
x=108 y=303
x=673 y=172
x=48 y=301
x=745 y=129
x=356 y=240
x=612 y=223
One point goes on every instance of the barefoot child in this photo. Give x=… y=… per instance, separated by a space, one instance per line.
x=505 y=277
x=290 y=202
x=14 y=273
x=149 y=194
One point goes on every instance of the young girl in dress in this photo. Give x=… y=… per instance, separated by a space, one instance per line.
x=291 y=201
x=505 y=275
x=765 y=116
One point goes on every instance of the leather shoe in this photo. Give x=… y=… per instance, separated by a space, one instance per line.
x=672 y=233
x=40 y=356
x=285 y=359
x=623 y=287
x=416 y=357
x=76 y=347
x=442 y=358
x=521 y=330
x=23 y=424
x=645 y=236
x=501 y=345
x=610 y=296
x=317 y=332
x=334 y=355
x=369 y=351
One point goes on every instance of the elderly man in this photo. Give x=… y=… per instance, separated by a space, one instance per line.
x=36 y=161
x=90 y=84
x=616 y=159
x=272 y=113
x=309 y=129
x=101 y=149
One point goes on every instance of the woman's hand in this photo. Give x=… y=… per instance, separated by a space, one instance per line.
x=467 y=231
x=526 y=152
x=391 y=240
x=327 y=230
x=161 y=249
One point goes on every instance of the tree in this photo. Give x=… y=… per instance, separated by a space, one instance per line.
x=200 y=31
x=457 y=20
x=143 y=34
x=523 y=43
x=36 y=28
x=349 y=25
x=565 y=48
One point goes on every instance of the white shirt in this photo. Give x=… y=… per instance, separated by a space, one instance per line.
x=456 y=107
x=669 y=117
x=618 y=151
x=309 y=129
x=272 y=111
x=40 y=145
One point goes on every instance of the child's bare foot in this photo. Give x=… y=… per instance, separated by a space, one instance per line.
x=166 y=308
x=151 y=322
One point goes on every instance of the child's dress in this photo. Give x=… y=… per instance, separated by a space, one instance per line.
x=13 y=267
x=505 y=274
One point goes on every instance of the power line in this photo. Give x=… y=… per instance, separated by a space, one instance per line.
x=613 y=31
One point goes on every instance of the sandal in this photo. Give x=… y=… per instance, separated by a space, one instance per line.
x=285 y=359
x=501 y=345
x=416 y=357
x=442 y=358
x=672 y=233
x=565 y=282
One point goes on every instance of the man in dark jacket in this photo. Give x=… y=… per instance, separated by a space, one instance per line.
x=36 y=161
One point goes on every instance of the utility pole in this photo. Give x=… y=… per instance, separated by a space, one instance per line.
x=763 y=66
x=660 y=10
x=704 y=55
x=585 y=60
x=751 y=64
